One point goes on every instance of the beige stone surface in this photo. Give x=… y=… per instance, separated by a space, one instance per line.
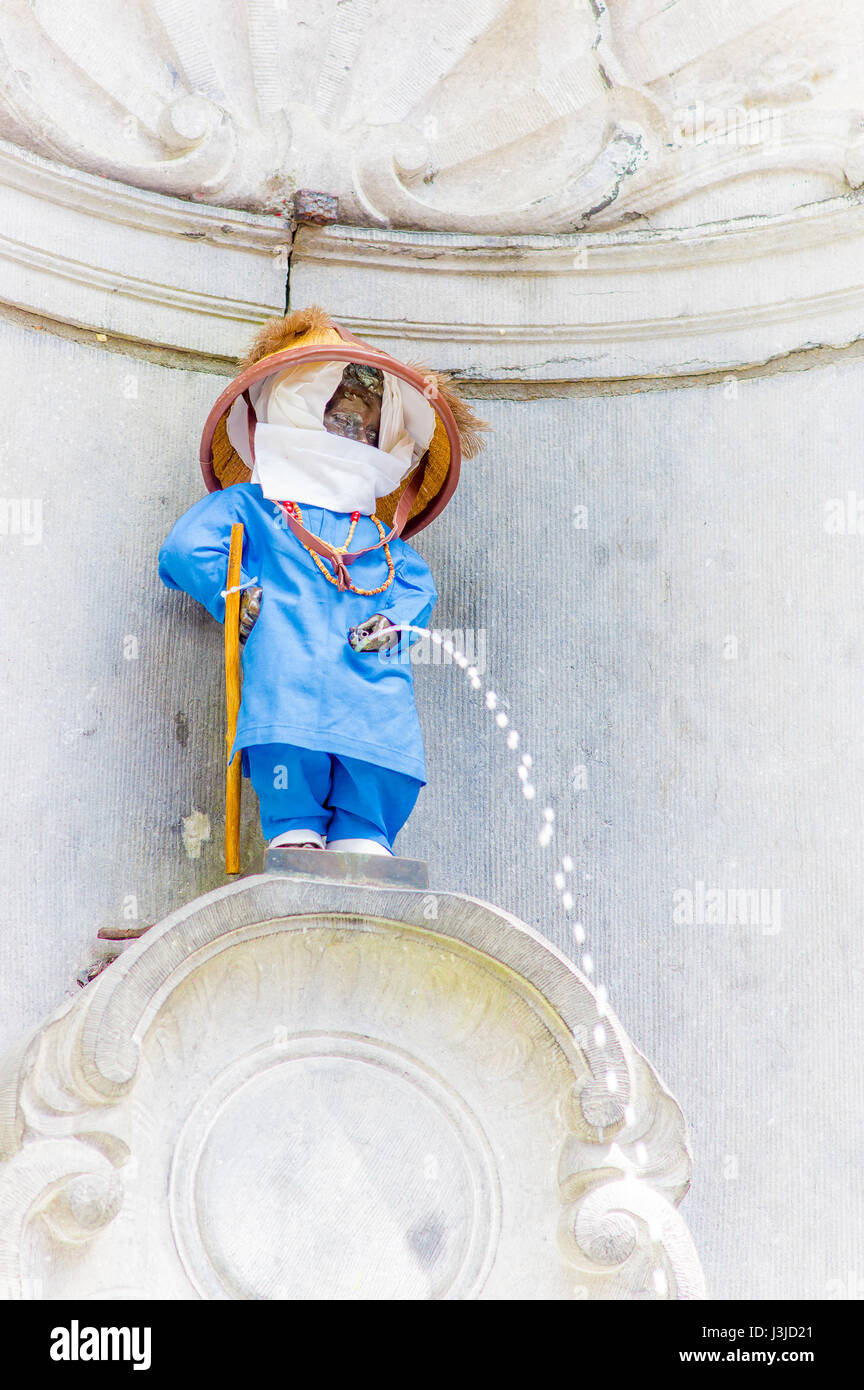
x=662 y=584
x=487 y=116
x=302 y=1089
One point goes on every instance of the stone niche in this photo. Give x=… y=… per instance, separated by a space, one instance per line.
x=483 y=116
x=299 y=1088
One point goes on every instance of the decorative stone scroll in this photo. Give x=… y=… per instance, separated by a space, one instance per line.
x=502 y=116
x=301 y=1088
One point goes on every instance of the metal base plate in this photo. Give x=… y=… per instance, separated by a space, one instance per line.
x=347 y=868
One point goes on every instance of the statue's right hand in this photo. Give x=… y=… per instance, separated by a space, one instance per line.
x=250 y=608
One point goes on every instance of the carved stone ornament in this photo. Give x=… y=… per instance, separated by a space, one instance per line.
x=298 y=1089
x=471 y=115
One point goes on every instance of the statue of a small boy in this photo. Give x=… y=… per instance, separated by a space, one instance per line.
x=328 y=726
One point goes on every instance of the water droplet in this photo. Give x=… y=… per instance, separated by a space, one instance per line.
x=559 y=881
x=527 y=760
x=528 y=791
x=600 y=1035
x=548 y=813
x=587 y=964
x=567 y=901
x=567 y=864
x=491 y=699
x=611 y=1082
x=579 y=932
x=501 y=720
x=512 y=739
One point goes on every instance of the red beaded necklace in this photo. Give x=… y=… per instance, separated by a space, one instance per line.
x=293 y=509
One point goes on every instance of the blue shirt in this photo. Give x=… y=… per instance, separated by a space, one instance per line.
x=302 y=683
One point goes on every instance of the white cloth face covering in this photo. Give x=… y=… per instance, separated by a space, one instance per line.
x=298 y=459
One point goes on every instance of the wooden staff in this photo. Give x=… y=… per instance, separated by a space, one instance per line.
x=234 y=773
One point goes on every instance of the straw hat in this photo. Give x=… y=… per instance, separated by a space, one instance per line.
x=311 y=335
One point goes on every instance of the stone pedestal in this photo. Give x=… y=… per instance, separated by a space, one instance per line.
x=298 y=1087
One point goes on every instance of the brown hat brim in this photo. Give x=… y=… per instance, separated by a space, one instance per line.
x=442 y=459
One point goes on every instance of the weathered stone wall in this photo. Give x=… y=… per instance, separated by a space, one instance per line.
x=694 y=648
x=637 y=230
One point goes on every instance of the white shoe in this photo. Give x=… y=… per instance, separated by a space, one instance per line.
x=297 y=838
x=359 y=847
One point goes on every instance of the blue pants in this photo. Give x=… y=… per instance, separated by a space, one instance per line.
x=342 y=798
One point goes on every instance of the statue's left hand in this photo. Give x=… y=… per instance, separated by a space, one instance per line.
x=375 y=634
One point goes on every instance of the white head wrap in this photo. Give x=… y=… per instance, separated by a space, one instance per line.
x=296 y=458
